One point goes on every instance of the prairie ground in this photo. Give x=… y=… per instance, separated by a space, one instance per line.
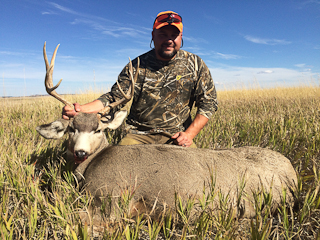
x=38 y=200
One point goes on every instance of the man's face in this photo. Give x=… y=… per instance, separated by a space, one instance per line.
x=167 y=42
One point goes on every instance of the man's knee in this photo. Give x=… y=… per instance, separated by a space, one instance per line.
x=193 y=145
x=128 y=141
x=133 y=139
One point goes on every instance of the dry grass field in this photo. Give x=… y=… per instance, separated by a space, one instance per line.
x=38 y=200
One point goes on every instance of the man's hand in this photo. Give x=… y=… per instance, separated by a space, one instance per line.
x=68 y=112
x=182 y=139
x=91 y=107
x=185 y=139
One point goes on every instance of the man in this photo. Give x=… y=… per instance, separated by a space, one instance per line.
x=170 y=81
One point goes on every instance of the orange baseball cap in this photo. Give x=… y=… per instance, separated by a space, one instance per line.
x=168 y=18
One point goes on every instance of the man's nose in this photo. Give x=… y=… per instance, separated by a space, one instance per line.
x=169 y=39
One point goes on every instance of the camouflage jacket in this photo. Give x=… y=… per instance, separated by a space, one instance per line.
x=165 y=92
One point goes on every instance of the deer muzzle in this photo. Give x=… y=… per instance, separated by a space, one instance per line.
x=80 y=156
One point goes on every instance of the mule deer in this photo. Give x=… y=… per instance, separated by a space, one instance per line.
x=161 y=171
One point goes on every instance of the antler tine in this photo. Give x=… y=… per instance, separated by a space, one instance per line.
x=48 y=79
x=45 y=56
x=129 y=95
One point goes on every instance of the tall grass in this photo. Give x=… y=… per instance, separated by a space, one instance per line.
x=38 y=200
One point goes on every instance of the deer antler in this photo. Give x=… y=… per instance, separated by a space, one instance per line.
x=126 y=96
x=48 y=80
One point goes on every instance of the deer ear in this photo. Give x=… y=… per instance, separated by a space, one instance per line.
x=54 y=130
x=116 y=121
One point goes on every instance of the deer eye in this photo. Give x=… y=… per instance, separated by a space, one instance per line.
x=98 y=131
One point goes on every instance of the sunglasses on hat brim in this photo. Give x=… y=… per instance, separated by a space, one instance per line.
x=169 y=18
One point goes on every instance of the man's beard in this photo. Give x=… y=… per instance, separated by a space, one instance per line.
x=167 y=55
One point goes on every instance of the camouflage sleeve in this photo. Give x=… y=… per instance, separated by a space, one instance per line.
x=205 y=92
x=115 y=94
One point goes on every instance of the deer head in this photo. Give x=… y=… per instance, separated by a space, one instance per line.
x=85 y=130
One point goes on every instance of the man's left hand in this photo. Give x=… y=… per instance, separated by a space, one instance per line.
x=182 y=139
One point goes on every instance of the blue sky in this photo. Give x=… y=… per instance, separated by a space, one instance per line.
x=244 y=43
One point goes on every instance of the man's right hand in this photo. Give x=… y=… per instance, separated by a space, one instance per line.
x=68 y=112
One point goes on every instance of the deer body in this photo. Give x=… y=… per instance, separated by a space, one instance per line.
x=158 y=172
x=161 y=171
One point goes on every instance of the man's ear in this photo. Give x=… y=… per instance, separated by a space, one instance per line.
x=152 y=35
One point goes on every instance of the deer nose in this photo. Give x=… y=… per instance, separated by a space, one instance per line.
x=81 y=154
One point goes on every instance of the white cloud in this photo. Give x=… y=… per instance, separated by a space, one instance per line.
x=48 y=13
x=230 y=77
x=213 y=54
x=304 y=67
x=104 y=26
x=17 y=53
x=311 y=2
x=64 y=9
x=266 y=41
x=225 y=56
x=301 y=65
x=265 y=72
x=195 y=40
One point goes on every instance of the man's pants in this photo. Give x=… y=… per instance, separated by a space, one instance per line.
x=156 y=138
